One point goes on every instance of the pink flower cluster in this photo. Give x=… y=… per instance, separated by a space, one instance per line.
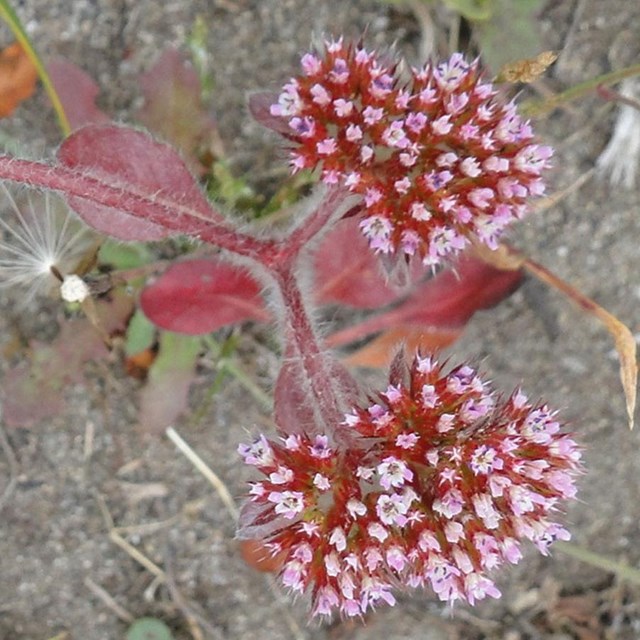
x=440 y=487
x=437 y=161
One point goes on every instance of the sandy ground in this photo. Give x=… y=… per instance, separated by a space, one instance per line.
x=55 y=552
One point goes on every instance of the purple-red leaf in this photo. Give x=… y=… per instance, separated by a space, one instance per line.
x=436 y=311
x=77 y=92
x=199 y=296
x=454 y=295
x=348 y=272
x=293 y=411
x=150 y=175
x=297 y=408
x=173 y=107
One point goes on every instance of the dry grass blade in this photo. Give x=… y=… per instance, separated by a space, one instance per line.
x=227 y=499
x=200 y=465
x=13 y=467
x=625 y=344
x=109 y=601
x=195 y=620
x=624 y=341
x=118 y=540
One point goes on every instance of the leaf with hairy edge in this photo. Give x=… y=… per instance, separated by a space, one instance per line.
x=349 y=273
x=132 y=161
x=293 y=412
x=174 y=110
x=199 y=296
x=166 y=394
x=77 y=92
x=434 y=314
x=293 y=403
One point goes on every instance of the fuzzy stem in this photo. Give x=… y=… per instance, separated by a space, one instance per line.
x=299 y=237
x=329 y=386
x=329 y=390
x=153 y=207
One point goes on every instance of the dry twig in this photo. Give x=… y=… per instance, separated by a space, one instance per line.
x=108 y=601
x=13 y=467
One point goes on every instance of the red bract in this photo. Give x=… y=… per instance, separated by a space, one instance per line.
x=437 y=160
x=439 y=486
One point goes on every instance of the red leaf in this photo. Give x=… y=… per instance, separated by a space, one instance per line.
x=381 y=350
x=173 y=106
x=348 y=272
x=297 y=408
x=77 y=92
x=200 y=296
x=293 y=413
x=148 y=174
x=454 y=295
x=439 y=307
x=260 y=557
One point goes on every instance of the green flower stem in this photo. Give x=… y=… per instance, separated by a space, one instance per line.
x=229 y=366
x=10 y=17
x=622 y=571
x=577 y=91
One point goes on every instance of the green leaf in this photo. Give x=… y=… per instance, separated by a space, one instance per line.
x=140 y=334
x=166 y=394
x=197 y=43
x=124 y=256
x=511 y=34
x=234 y=192
x=473 y=9
x=289 y=193
x=149 y=629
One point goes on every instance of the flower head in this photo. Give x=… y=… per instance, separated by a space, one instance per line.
x=437 y=161
x=439 y=487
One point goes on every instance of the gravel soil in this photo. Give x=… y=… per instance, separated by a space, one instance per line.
x=63 y=577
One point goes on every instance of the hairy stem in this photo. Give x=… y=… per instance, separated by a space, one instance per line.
x=155 y=208
x=330 y=386
x=299 y=237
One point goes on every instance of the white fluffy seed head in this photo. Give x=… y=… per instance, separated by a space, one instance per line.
x=74 y=289
x=39 y=238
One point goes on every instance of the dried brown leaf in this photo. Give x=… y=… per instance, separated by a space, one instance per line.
x=527 y=70
x=18 y=78
x=380 y=351
x=625 y=343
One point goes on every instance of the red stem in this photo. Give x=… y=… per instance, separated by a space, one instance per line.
x=299 y=237
x=330 y=390
x=327 y=384
x=153 y=207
